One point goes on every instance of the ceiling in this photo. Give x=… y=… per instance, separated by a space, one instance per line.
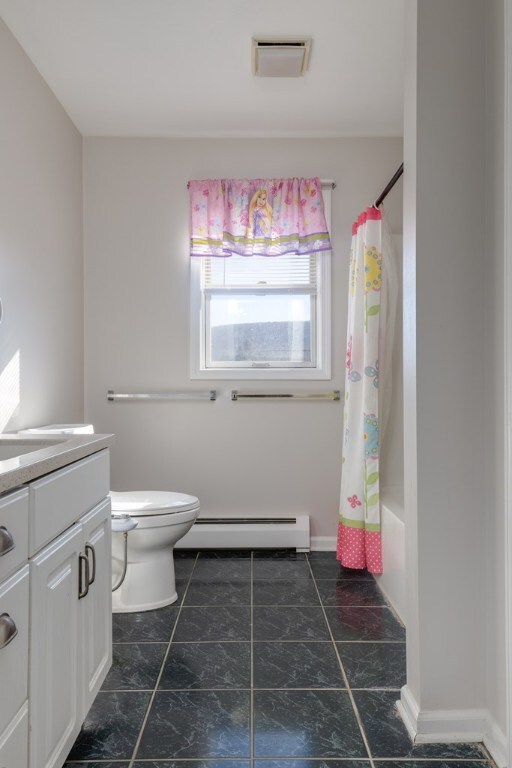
x=183 y=67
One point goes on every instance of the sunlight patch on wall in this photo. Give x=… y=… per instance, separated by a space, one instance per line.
x=9 y=390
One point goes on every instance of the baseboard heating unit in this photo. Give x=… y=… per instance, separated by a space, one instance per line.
x=248 y=533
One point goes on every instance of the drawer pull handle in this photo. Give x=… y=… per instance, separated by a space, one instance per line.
x=83 y=580
x=8 y=629
x=6 y=541
x=92 y=569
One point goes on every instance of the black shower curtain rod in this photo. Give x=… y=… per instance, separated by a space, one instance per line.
x=387 y=189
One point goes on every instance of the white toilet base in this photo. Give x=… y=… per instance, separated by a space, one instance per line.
x=147 y=585
x=150 y=580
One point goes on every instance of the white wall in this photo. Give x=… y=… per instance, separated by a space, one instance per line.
x=41 y=281
x=236 y=457
x=454 y=512
x=492 y=519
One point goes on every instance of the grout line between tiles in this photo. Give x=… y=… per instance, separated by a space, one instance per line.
x=152 y=698
x=344 y=674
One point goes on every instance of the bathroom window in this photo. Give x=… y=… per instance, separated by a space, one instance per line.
x=260 y=317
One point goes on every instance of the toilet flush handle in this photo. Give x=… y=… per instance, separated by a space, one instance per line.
x=123 y=522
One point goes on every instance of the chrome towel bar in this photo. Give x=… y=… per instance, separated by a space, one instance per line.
x=210 y=395
x=236 y=395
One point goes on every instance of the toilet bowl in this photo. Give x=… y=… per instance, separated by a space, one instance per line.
x=162 y=519
x=158 y=520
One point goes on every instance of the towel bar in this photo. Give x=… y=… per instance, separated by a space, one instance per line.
x=236 y=395
x=211 y=395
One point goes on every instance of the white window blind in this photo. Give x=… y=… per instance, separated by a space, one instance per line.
x=260 y=271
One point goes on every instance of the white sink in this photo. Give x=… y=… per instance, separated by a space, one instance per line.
x=11 y=447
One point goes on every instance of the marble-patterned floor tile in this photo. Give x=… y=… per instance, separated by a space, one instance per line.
x=183 y=566
x=194 y=764
x=313 y=764
x=181 y=588
x=327 y=568
x=216 y=623
x=198 y=725
x=296 y=665
x=218 y=592
x=285 y=623
x=436 y=764
x=207 y=665
x=388 y=737
x=279 y=554
x=185 y=554
x=371 y=623
x=305 y=724
x=145 y=626
x=299 y=592
x=135 y=666
x=228 y=554
x=317 y=554
x=350 y=592
x=374 y=665
x=111 y=728
x=224 y=569
x=277 y=568
x=115 y=764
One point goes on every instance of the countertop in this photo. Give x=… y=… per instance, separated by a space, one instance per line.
x=40 y=461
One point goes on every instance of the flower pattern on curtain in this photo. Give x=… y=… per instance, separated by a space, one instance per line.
x=371 y=310
x=257 y=217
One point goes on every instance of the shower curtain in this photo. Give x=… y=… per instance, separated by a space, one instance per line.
x=371 y=314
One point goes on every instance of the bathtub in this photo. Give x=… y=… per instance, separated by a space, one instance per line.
x=392 y=581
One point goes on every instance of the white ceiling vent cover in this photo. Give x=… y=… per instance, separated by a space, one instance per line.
x=282 y=57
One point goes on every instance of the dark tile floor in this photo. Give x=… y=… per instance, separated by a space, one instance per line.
x=268 y=660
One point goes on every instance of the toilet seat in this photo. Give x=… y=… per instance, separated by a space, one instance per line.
x=151 y=503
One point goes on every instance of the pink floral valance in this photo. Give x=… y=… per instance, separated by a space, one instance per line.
x=257 y=217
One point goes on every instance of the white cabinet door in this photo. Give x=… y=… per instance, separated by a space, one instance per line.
x=96 y=606
x=55 y=692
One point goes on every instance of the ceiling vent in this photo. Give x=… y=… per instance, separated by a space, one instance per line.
x=280 y=57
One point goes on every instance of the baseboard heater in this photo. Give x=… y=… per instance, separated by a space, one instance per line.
x=248 y=533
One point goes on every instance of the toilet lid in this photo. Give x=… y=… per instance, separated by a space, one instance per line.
x=139 y=503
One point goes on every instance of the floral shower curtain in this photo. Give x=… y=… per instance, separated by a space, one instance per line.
x=257 y=217
x=371 y=313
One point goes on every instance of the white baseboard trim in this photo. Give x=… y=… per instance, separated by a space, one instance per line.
x=323 y=543
x=496 y=743
x=453 y=725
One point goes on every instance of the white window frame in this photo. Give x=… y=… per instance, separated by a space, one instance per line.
x=321 y=339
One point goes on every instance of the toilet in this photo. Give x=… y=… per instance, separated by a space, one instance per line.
x=146 y=525
x=162 y=519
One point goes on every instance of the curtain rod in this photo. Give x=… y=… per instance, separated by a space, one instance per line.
x=324 y=183
x=387 y=189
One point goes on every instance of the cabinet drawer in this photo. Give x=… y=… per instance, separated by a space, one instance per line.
x=13 y=653
x=13 y=531
x=14 y=741
x=61 y=498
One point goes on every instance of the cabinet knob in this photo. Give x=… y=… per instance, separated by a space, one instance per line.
x=6 y=541
x=8 y=630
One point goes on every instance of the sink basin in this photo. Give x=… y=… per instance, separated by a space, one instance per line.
x=11 y=448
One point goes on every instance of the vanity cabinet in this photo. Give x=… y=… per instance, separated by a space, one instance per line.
x=70 y=634
x=60 y=599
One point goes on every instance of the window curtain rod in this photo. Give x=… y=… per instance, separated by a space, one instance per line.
x=325 y=183
x=387 y=189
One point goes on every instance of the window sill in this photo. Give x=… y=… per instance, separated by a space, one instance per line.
x=261 y=374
